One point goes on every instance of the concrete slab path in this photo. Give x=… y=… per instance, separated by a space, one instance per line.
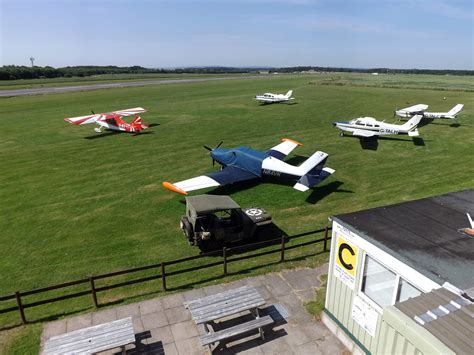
x=163 y=326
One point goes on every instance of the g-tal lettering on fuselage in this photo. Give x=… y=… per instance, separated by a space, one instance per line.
x=388 y=131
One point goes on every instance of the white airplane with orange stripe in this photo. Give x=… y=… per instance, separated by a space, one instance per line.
x=244 y=163
x=112 y=120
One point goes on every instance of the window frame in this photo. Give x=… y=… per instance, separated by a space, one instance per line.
x=366 y=298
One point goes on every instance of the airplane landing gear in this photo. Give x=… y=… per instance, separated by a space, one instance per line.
x=341 y=134
x=97 y=129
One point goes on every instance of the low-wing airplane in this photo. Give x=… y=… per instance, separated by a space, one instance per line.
x=420 y=109
x=112 y=120
x=244 y=163
x=272 y=98
x=370 y=127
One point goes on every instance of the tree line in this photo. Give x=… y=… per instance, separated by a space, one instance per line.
x=13 y=72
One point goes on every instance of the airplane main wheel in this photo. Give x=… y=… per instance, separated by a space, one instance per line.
x=341 y=134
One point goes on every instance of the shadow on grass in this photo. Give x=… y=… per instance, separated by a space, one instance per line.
x=320 y=193
x=372 y=143
x=102 y=135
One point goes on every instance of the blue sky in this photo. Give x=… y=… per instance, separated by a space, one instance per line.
x=434 y=34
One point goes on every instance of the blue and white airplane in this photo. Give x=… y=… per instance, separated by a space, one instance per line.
x=244 y=163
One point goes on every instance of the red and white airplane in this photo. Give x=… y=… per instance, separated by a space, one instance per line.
x=112 y=120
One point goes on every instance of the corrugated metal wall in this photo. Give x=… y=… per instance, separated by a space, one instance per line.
x=339 y=303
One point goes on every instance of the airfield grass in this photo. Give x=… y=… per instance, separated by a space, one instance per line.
x=75 y=203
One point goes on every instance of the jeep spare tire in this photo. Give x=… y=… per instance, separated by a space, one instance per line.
x=187 y=228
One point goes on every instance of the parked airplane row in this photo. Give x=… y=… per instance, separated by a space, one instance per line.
x=244 y=163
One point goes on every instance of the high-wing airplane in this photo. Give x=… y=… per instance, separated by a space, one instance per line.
x=112 y=120
x=271 y=98
x=420 y=109
x=244 y=163
x=370 y=127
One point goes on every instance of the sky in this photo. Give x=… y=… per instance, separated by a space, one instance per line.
x=433 y=34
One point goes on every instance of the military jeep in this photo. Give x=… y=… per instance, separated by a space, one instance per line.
x=212 y=221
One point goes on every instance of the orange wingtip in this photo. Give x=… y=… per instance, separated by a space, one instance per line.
x=291 y=140
x=173 y=188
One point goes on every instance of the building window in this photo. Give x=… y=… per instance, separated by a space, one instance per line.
x=383 y=286
x=406 y=291
x=378 y=282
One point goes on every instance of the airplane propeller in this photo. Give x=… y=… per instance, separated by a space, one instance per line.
x=210 y=149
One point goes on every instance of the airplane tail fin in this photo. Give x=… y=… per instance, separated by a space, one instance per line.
x=308 y=181
x=137 y=123
x=412 y=123
x=289 y=93
x=455 y=110
x=313 y=171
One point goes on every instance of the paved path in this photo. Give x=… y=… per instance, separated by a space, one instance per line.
x=62 y=89
x=163 y=326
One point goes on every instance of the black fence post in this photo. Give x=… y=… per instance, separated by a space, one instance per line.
x=224 y=254
x=326 y=238
x=20 y=307
x=163 y=275
x=282 y=257
x=94 y=292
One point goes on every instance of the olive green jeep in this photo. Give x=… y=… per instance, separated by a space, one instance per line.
x=212 y=221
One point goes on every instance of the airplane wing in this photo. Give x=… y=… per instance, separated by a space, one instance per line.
x=415 y=108
x=227 y=175
x=362 y=133
x=84 y=119
x=103 y=116
x=263 y=99
x=280 y=151
x=129 y=112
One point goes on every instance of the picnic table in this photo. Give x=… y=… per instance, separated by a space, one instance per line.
x=214 y=307
x=94 y=339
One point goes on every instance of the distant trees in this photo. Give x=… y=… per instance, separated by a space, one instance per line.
x=13 y=72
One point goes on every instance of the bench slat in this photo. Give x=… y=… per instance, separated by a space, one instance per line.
x=228 y=311
x=225 y=304
x=93 y=339
x=219 y=297
x=235 y=330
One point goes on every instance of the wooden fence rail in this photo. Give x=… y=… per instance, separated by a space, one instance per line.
x=226 y=254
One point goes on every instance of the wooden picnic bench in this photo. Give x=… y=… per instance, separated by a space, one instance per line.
x=208 y=309
x=93 y=339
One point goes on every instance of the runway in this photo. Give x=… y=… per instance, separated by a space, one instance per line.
x=63 y=89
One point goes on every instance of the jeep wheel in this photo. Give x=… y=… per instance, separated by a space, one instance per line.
x=187 y=229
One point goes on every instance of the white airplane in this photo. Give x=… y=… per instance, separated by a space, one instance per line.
x=420 y=109
x=370 y=127
x=271 y=98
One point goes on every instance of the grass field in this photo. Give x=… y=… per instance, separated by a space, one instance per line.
x=74 y=203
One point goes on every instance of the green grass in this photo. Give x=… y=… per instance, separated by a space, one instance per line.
x=316 y=306
x=72 y=207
